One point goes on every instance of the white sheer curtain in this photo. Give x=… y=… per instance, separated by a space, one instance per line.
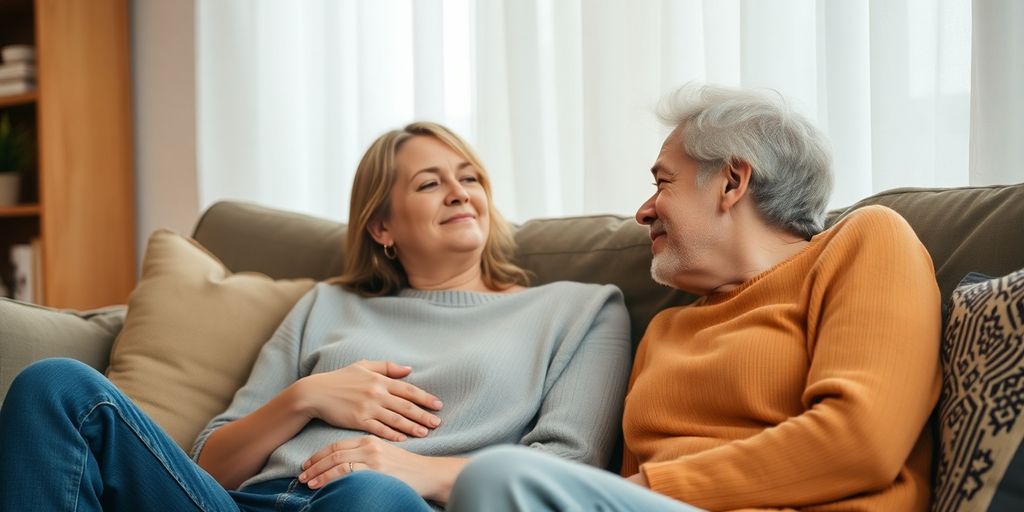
x=558 y=95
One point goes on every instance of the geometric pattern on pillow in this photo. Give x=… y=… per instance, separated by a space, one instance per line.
x=980 y=409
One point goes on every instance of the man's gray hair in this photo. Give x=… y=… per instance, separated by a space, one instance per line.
x=791 y=160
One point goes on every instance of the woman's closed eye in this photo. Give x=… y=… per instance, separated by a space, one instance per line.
x=426 y=185
x=431 y=184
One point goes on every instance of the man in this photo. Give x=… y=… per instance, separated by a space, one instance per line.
x=804 y=375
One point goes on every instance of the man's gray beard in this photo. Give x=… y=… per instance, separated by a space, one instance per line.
x=666 y=265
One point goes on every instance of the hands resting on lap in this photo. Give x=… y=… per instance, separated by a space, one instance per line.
x=368 y=396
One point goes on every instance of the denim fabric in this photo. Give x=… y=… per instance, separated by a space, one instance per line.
x=72 y=441
x=516 y=478
x=362 y=490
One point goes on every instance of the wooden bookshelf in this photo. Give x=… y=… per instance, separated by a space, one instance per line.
x=20 y=210
x=77 y=199
x=18 y=99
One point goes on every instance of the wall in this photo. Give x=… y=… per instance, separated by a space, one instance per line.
x=163 y=69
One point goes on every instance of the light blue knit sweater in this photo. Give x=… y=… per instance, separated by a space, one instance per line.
x=545 y=367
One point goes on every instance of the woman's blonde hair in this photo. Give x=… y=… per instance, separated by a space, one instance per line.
x=367 y=271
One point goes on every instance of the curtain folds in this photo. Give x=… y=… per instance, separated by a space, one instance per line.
x=558 y=95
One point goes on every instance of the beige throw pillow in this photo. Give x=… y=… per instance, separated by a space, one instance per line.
x=193 y=332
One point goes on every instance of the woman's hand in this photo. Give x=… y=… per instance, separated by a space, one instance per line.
x=431 y=477
x=367 y=396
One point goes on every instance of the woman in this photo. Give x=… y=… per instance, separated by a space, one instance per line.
x=429 y=347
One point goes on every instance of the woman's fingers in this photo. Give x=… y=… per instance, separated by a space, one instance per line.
x=322 y=465
x=402 y=404
x=414 y=395
x=366 y=396
x=339 y=459
x=327 y=469
x=323 y=452
x=388 y=375
x=385 y=368
x=324 y=455
x=415 y=419
x=379 y=429
x=401 y=423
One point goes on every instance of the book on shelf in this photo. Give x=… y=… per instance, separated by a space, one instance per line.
x=18 y=70
x=21 y=261
x=37 y=271
x=18 y=53
x=14 y=71
x=11 y=88
x=26 y=261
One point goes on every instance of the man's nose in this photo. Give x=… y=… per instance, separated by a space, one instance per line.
x=646 y=214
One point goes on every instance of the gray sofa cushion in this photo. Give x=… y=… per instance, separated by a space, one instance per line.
x=280 y=244
x=31 y=332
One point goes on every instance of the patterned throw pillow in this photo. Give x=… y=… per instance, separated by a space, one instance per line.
x=980 y=420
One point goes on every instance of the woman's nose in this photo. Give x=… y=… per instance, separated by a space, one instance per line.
x=457 y=195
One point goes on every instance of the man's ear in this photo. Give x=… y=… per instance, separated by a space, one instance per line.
x=379 y=231
x=737 y=181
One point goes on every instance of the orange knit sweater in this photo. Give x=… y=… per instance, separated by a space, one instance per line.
x=807 y=387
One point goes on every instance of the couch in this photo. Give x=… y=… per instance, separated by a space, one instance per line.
x=979 y=229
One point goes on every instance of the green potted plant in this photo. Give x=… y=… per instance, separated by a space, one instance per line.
x=15 y=155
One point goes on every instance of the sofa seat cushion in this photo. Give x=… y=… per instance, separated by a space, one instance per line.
x=192 y=333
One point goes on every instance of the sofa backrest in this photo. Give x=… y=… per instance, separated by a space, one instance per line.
x=967 y=229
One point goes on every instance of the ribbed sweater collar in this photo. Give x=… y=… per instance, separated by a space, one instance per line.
x=453 y=297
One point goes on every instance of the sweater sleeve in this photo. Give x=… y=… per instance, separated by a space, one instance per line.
x=276 y=367
x=630 y=465
x=580 y=413
x=872 y=382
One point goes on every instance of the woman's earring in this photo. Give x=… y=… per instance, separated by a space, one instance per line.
x=390 y=252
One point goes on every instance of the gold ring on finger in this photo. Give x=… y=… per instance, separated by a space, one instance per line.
x=351 y=467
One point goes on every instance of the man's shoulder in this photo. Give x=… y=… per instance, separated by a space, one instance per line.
x=874 y=233
x=871 y=216
x=873 y=222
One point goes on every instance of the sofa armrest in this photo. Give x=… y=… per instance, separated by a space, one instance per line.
x=29 y=333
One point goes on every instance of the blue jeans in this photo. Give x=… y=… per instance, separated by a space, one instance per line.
x=516 y=478
x=70 y=440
